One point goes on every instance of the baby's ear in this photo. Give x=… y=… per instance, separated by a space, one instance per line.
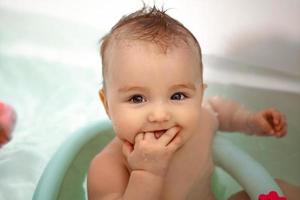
x=104 y=101
x=204 y=86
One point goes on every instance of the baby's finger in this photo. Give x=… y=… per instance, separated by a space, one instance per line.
x=283 y=131
x=175 y=143
x=167 y=137
x=149 y=136
x=266 y=127
x=139 y=137
x=127 y=148
x=279 y=126
x=283 y=120
x=276 y=117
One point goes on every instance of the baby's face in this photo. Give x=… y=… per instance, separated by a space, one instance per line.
x=150 y=91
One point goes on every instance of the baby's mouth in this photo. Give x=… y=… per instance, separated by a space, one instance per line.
x=159 y=133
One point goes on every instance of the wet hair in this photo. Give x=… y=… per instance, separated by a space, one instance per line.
x=151 y=25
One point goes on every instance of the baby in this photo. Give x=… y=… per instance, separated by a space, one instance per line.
x=153 y=94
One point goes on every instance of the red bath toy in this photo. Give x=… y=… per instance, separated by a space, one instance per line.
x=271 y=196
x=7 y=122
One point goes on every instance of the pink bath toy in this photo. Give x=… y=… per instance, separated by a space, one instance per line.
x=7 y=122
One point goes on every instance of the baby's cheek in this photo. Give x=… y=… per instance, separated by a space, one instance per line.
x=189 y=120
x=192 y=117
x=124 y=128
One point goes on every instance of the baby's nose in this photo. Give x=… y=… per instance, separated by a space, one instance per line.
x=159 y=113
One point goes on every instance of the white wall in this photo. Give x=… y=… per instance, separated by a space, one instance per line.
x=260 y=32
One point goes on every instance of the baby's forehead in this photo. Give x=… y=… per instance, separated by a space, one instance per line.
x=139 y=45
x=136 y=51
x=141 y=56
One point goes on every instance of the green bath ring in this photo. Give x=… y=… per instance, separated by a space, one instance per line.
x=65 y=174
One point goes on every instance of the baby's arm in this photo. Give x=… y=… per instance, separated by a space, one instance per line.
x=234 y=117
x=148 y=161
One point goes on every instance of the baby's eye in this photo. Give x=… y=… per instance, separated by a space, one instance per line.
x=178 y=96
x=137 y=99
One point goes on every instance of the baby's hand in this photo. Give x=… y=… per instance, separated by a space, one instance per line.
x=267 y=122
x=151 y=154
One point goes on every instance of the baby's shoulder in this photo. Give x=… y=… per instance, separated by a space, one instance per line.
x=107 y=173
x=109 y=157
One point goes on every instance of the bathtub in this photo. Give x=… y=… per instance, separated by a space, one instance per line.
x=53 y=89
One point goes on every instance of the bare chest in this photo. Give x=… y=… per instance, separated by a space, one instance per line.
x=189 y=175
